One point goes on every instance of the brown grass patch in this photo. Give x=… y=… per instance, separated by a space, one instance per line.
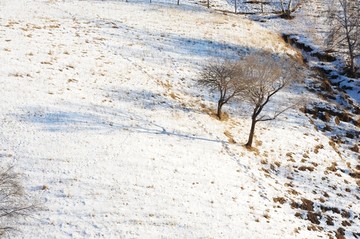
x=337 y=120
x=332 y=168
x=355 y=175
x=54 y=26
x=173 y=96
x=280 y=200
x=293 y=192
x=212 y=113
x=313 y=217
x=318 y=147
x=258 y=142
x=355 y=148
x=304 y=168
x=230 y=137
x=253 y=149
x=313 y=227
x=46 y=63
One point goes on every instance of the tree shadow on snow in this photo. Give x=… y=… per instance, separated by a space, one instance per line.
x=148 y=100
x=73 y=118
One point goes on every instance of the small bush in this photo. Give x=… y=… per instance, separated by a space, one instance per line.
x=14 y=203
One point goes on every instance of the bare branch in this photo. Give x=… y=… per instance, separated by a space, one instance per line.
x=344 y=21
x=265 y=76
x=222 y=78
x=14 y=202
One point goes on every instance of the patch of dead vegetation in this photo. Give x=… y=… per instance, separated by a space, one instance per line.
x=317 y=212
x=332 y=167
x=53 y=26
x=46 y=63
x=280 y=200
x=324 y=113
x=355 y=174
x=230 y=137
x=317 y=148
x=355 y=148
x=11 y=23
x=254 y=150
x=20 y=75
x=173 y=96
x=290 y=157
x=293 y=192
x=313 y=227
x=258 y=143
x=304 y=168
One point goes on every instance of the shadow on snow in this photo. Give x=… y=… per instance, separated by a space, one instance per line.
x=99 y=118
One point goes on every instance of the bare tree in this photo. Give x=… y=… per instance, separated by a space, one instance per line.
x=345 y=29
x=223 y=78
x=265 y=77
x=14 y=203
x=289 y=6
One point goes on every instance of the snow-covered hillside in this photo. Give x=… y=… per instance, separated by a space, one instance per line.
x=101 y=114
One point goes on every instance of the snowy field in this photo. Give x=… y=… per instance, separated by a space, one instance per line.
x=101 y=114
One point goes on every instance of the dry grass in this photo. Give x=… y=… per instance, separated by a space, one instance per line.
x=15 y=202
x=230 y=137
x=333 y=167
x=280 y=200
x=318 y=147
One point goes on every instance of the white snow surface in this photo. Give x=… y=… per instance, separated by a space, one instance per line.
x=101 y=114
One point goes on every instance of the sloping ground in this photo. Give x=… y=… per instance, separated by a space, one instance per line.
x=336 y=110
x=101 y=113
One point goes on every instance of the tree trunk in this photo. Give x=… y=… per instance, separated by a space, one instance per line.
x=282 y=6
x=220 y=104
x=347 y=26
x=351 y=56
x=289 y=8
x=208 y=4
x=252 y=132
x=352 y=67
